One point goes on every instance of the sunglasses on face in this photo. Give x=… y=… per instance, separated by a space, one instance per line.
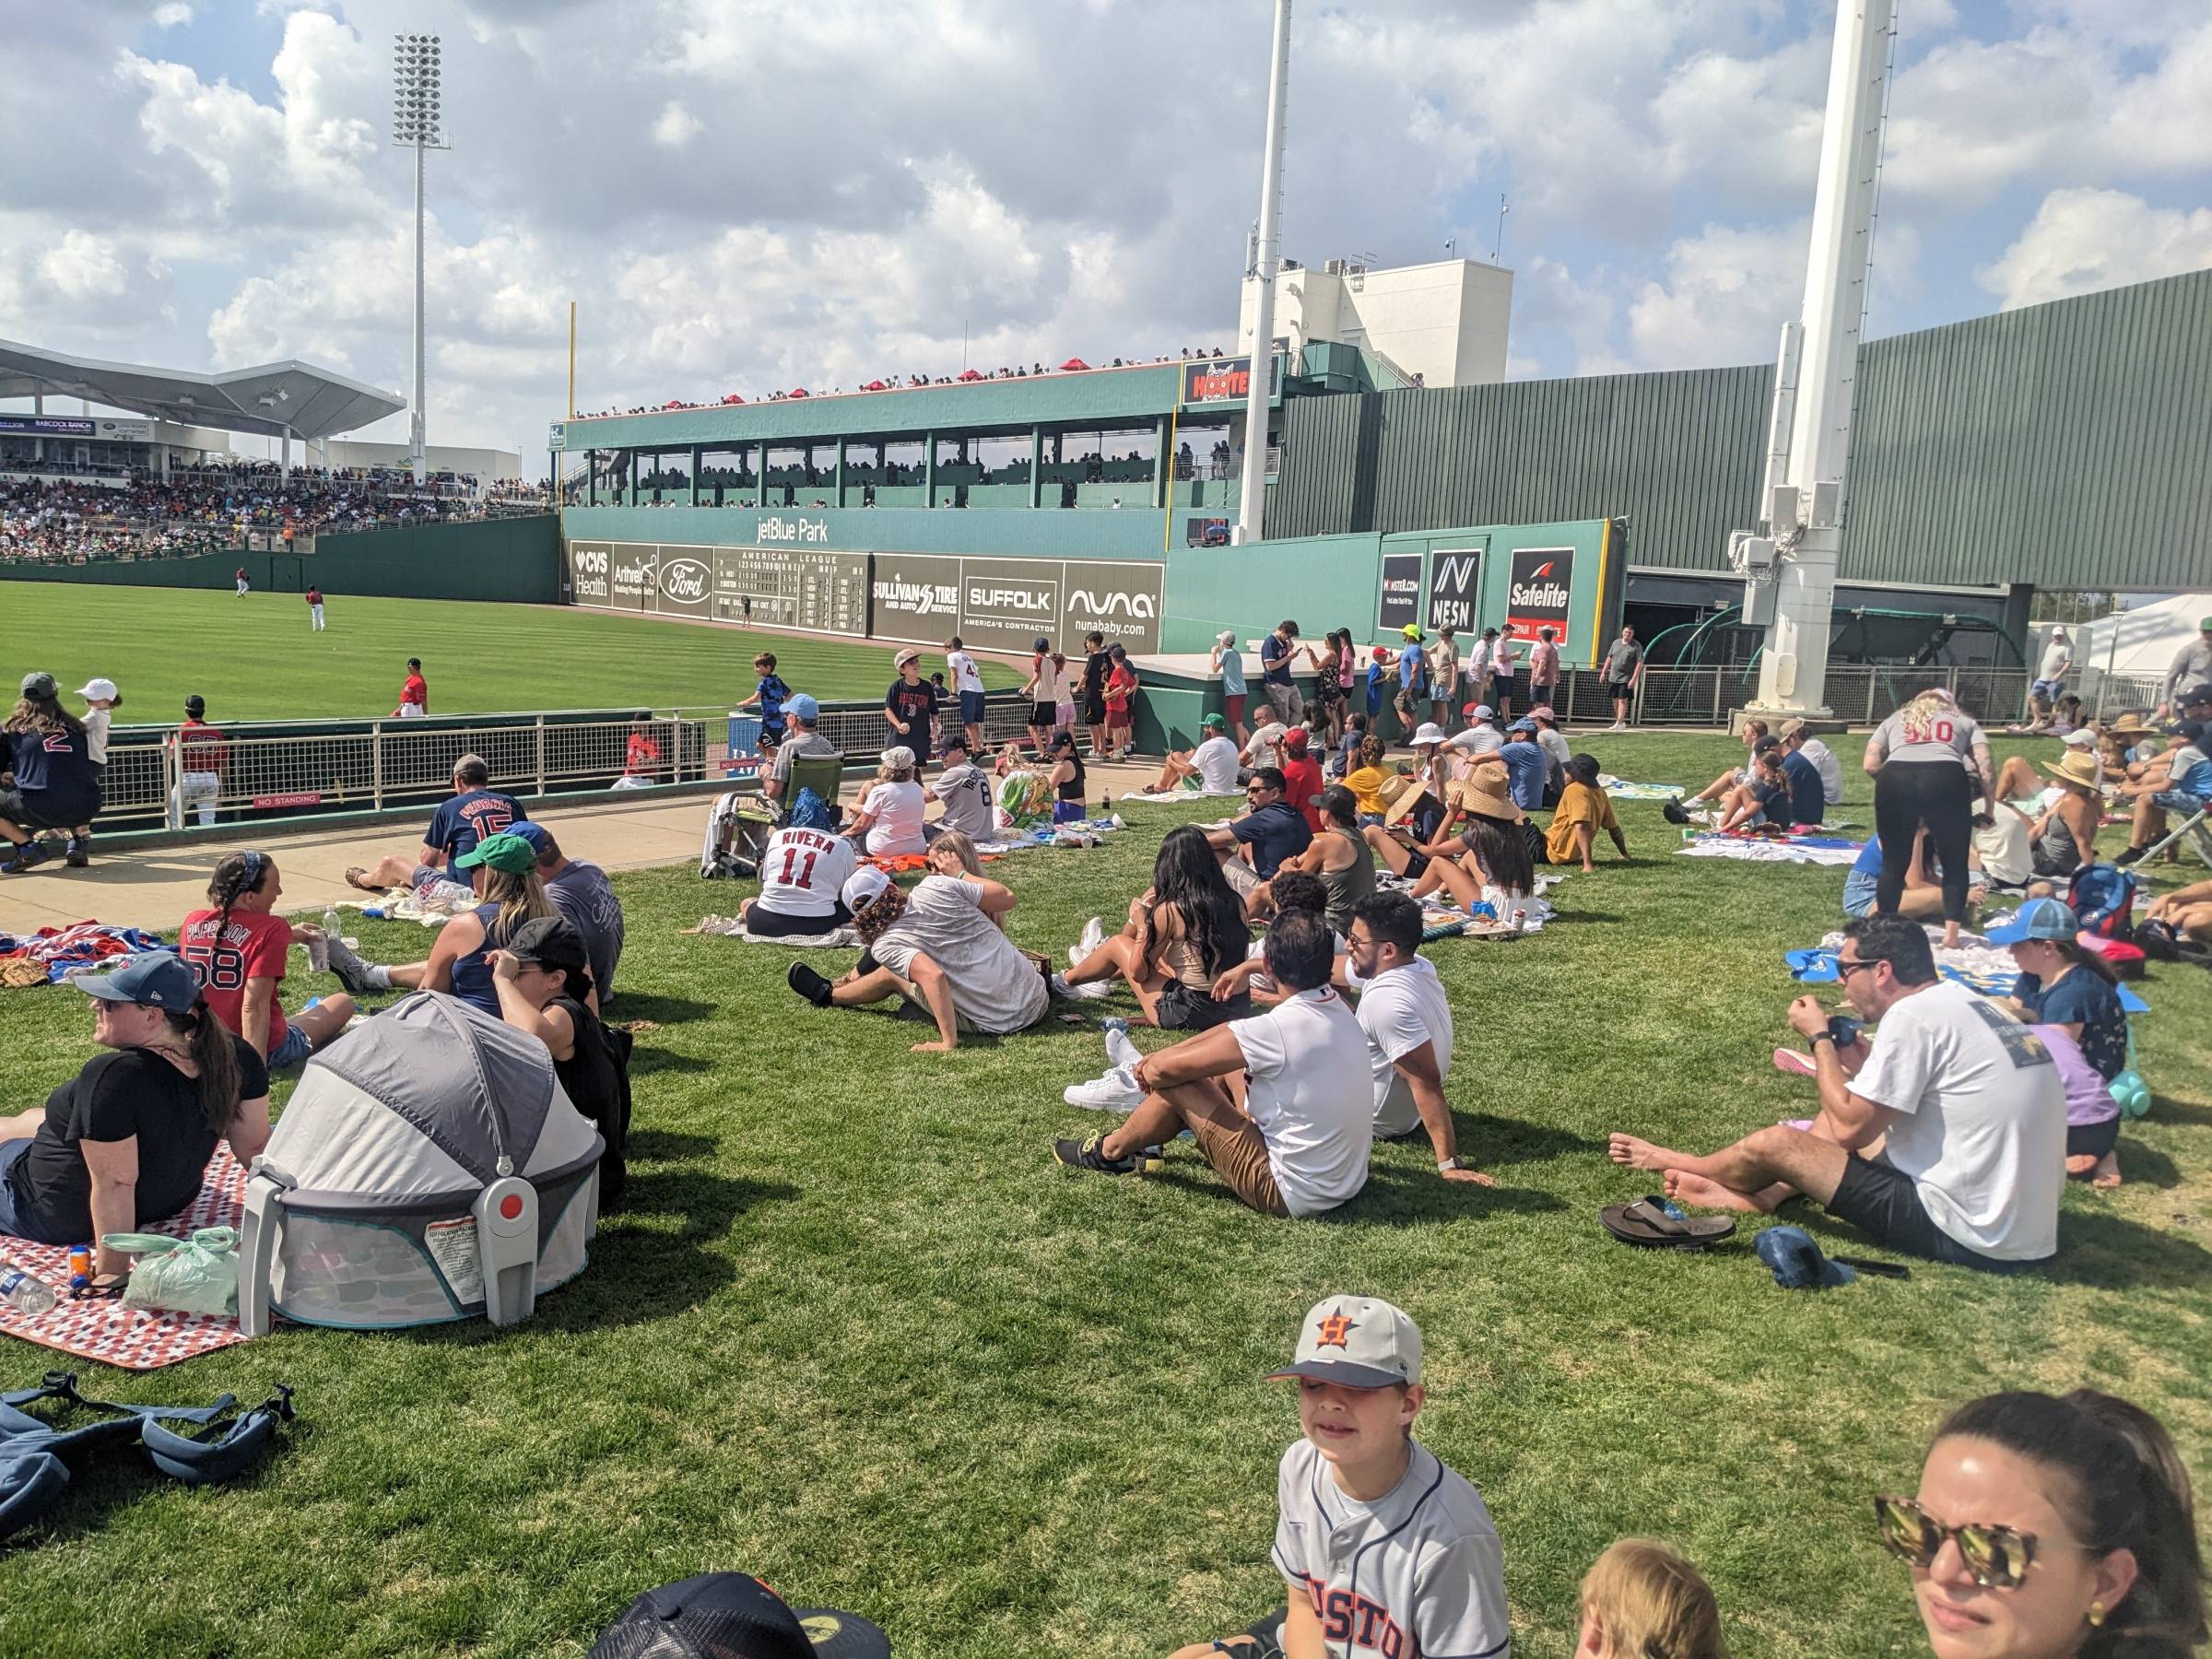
x=1997 y=1558
x=1848 y=969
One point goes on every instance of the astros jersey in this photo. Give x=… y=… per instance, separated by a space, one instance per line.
x=1416 y=1574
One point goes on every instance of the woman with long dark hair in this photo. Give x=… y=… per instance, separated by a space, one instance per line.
x=52 y=783
x=1919 y=758
x=126 y=1141
x=2049 y=1528
x=1329 y=683
x=1185 y=932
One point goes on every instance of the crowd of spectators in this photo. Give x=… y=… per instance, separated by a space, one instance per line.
x=902 y=383
x=204 y=509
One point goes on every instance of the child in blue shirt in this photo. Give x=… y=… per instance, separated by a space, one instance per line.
x=771 y=694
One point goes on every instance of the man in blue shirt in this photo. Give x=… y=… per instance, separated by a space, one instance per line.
x=1253 y=847
x=1412 y=676
x=473 y=813
x=1275 y=651
x=1808 y=793
x=1525 y=766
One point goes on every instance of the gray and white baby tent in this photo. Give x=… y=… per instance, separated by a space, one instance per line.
x=428 y=1168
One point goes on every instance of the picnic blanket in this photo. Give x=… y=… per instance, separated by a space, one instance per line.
x=1973 y=962
x=61 y=951
x=1771 y=849
x=1186 y=792
x=133 y=1338
x=730 y=927
x=1621 y=789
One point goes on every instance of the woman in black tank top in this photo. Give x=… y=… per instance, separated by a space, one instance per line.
x=1067 y=779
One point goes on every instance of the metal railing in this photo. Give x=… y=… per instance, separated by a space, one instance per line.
x=1863 y=694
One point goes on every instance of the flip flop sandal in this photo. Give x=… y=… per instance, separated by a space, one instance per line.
x=357 y=878
x=1648 y=1224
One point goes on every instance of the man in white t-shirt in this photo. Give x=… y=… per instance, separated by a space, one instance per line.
x=968 y=687
x=1482 y=736
x=1408 y=1024
x=1210 y=769
x=1798 y=739
x=1301 y=1144
x=802 y=873
x=965 y=790
x=942 y=946
x=1967 y=1101
x=1265 y=748
x=2050 y=680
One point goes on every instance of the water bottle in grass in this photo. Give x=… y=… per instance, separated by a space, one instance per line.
x=25 y=1294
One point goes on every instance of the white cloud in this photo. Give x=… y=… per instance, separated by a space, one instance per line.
x=1727 y=291
x=174 y=15
x=84 y=266
x=2083 y=240
x=676 y=127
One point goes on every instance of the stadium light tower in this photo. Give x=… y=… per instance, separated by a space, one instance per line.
x=414 y=124
x=1252 y=497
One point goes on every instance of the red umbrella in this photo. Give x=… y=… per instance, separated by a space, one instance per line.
x=733 y=398
x=875 y=386
x=798 y=392
x=969 y=374
x=1074 y=363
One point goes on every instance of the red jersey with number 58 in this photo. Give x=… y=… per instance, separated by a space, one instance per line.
x=251 y=947
x=803 y=872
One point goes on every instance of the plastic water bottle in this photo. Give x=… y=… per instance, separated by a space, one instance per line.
x=24 y=1294
x=318 y=950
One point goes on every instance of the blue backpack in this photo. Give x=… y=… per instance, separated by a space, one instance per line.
x=2102 y=897
x=811 y=812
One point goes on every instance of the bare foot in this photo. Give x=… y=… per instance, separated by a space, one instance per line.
x=2108 y=1172
x=2080 y=1165
x=1685 y=1188
x=1640 y=1153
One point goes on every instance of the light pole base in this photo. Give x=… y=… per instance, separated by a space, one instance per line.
x=1818 y=721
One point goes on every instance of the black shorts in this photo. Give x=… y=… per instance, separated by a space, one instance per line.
x=2092 y=1140
x=1044 y=714
x=1882 y=1203
x=1619 y=690
x=1268 y=1634
x=1094 y=709
x=774 y=924
x=25 y=816
x=1184 y=1010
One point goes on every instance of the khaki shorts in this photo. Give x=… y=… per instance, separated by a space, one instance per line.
x=1240 y=875
x=1238 y=1156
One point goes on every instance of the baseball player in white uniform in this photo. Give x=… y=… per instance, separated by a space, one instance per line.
x=1386 y=1553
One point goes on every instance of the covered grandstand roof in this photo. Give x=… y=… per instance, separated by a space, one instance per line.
x=271 y=399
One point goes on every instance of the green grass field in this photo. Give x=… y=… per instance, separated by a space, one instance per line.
x=857 y=1333
x=255 y=659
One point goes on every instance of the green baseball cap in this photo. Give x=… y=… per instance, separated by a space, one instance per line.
x=1213 y=719
x=509 y=854
x=2204 y=623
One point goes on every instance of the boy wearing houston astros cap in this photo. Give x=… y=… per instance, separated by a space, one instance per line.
x=1385 y=1550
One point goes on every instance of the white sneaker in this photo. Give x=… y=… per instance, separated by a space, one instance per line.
x=1617 y=726
x=1116 y=1091
x=1121 y=1052
x=1079 y=993
x=1094 y=935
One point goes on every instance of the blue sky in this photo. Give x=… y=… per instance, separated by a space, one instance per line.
x=745 y=194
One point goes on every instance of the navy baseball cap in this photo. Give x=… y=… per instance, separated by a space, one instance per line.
x=157 y=978
x=2039 y=919
x=536 y=834
x=1796 y=1261
x=733 y=1616
x=803 y=707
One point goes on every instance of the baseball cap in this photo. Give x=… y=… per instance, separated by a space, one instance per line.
x=506 y=853
x=538 y=835
x=1041 y=644
x=909 y=656
x=1543 y=712
x=100 y=687
x=863 y=888
x=1295 y=740
x=2196 y=694
x=1359 y=1341
x=1227 y=636
x=899 y=758
x=1796 y=1262
x=158 y=978
x=1479 y=712
x=1523 y=725
x=954 y=740
x=1411 y=631
x=1215 y=721
x=1790 y=728
x=2038 y=918
x=38 y=685
x=549 y=942
x=734 y=1615
x=2078 y=738
x=2203 y=625
x=803 y=707
x=196 y=704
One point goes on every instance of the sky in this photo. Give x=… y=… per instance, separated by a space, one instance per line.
x=757 y=194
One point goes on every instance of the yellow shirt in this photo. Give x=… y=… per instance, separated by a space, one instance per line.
x=1578 y=804
x=1365 y=783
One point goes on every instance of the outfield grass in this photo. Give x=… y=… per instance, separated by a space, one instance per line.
x=856 y=1333
x=255 y=659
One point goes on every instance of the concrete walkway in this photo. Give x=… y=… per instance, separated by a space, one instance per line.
x=156 y=888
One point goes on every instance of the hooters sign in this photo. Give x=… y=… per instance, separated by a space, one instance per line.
x=1539 y=592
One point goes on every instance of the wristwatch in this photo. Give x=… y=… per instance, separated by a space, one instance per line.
x=1822 y=1036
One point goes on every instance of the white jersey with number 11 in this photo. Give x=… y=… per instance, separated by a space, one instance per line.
x=803 y=871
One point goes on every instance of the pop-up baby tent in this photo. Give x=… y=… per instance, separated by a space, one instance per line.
x=428 y=1168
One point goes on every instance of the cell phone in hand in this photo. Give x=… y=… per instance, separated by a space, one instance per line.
x=1845 y=1029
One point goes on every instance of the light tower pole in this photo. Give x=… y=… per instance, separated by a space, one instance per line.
x=1251 y=501
x=1809 y=435
x=414 y=124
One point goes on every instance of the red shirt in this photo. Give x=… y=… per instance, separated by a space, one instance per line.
x=314 y=595
x=1302 y=784
x=252 y=947
x=202 y=748
x=641 y=757
x=416 y=690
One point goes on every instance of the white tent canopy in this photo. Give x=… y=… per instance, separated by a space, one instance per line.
x=2140 y=643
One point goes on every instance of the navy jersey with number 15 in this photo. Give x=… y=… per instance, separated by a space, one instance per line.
x=466 y=819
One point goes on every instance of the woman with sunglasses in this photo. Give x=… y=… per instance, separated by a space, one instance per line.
x=2050 y=1529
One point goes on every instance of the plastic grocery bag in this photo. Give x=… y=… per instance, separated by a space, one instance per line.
x=198 y=1275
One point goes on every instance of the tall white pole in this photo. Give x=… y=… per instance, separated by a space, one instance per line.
x=416 y=455
x=1251 y=501
x=1794 y=668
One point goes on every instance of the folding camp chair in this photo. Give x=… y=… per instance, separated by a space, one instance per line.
x=2194 y=828
x=822 y=773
